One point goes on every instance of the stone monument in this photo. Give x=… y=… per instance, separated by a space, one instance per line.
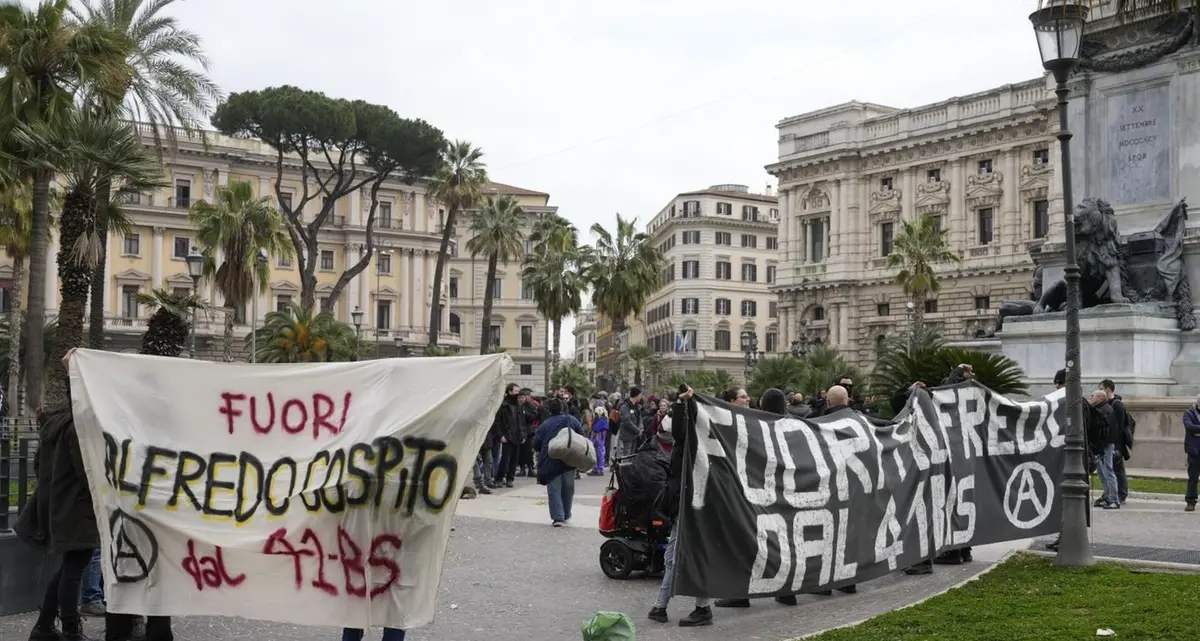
x=1135 y=113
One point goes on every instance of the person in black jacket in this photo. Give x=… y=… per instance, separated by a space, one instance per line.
x=683 y=423
x=60 y=519
x=1104 y=439
x=509 y=425
x=1124 y=426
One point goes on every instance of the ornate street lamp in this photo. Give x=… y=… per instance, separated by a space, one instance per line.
x=800 y=345
x=356 y=318
x=195 y=267
x=1059 y=31
x=751 y=353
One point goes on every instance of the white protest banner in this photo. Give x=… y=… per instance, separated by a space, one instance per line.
x=316 y=494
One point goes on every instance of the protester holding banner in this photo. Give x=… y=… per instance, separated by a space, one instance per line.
x=60 y=519
x=683 y=425
x=837 y=406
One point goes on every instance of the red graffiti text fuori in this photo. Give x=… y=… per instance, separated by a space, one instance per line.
x=291 y=415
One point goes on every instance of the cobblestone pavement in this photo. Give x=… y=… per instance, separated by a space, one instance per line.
x=508 y=574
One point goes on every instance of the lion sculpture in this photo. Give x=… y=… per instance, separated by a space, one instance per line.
x=1102 y=269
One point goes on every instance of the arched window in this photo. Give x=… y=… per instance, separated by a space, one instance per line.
x=455 y=324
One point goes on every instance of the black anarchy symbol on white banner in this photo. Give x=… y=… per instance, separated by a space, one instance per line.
x=134 y=547
x=1022 y=478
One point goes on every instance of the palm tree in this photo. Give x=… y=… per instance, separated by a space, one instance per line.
x=552 y=272
x=917 y=248
x=458 y=185
x=16 y=223
x=300 y=335
x=574 y=375
x=642 y=357
x=88 y=151
x=237 y=227
x=9 y=346
x=623 y=270
x=928 y=359
x=160 y=90
x=46 y=58
x=497 y=232
x=169 y=325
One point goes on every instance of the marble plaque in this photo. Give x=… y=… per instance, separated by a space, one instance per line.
x=1139 y=147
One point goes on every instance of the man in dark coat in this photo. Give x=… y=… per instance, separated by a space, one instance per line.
x=1124 y=426
x=509 y=424
x=837 y=405
x=60 y=519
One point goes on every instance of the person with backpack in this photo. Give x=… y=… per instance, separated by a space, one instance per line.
x=1102 y=433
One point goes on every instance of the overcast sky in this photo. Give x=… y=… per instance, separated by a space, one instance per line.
x=617 y=106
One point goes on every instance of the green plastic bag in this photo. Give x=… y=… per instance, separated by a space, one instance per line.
x=609 y=626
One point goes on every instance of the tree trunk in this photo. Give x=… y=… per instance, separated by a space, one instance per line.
x=35 y=355
x=14 y=340
x=435 y=315
x=308 y=276
x=556 y=356
x=546 y=362
x=918 y=319
x=99 y=274
x=76 y=279
x=228 y=334
x=485 y=332
x=637 y=374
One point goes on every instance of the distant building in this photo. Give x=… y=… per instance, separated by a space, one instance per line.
x=585 y=341
x=721 y=250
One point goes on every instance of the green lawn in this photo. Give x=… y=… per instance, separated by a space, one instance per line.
x=1026 y=599
x=1149 y=485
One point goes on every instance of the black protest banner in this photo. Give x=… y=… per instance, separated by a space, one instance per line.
x=776 y=506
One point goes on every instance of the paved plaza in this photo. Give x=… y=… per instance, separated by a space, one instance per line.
x=509 y=574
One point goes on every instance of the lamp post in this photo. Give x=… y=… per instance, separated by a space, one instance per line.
x=1059 y=31
x=195 y=267
x=800 y=345
x=750 y=352
x=356 y=318
x=259 y=261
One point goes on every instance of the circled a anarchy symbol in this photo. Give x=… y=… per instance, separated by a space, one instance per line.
x=1026 y=479
x=134 y=547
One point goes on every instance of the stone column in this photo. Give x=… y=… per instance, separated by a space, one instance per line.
x=418 y=220
x=1014 y=222
x=785 y=226
x=427 y=294
x=835 y=222
x=846 y=237
x=156 y=258
x=785 y=331
x=356 y=216
x=908 y=200
x=958 y=206
x=802 y=255
x=414 y=313
x=824 y=221
x=351 y=291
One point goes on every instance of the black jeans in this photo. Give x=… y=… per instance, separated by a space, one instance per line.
x=509 y=452
x=119 y=627
x=1119 y=470
x=526 y=458
x=1193 y=477
x=62 y=593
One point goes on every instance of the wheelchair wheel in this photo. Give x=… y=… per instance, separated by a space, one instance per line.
x=616 y=559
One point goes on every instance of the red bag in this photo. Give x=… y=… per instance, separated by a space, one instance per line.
x=608 y=511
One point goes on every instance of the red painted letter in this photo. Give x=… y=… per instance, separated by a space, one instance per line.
x=288 y=426
x=322 y=410
x=228 y=410
x=264 y=428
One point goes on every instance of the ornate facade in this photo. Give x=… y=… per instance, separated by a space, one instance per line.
x=851 y=175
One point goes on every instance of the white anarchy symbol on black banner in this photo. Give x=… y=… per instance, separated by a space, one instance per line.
x=1022 y=478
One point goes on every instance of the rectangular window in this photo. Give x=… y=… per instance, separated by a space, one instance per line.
x=526 y=291
x=454 y=287
x=1041 y=156
x=383 y=219
x=1041 y=218
x=985 y=167
x=749 y=241
x=931 y=306
x=883 y=309
x=691 y=306
x=498 y=288
x=183 y=247
x=983 y=302
x=770 y=273
x=885 y=238
x=527 y=336
x=885 y=184
x=772 y=309
x=324 y=300
x=724 y=307
x=749 y=273
x=132 y=245
x=985 y=225
x=495 y=342
x=691 y=208
x=327 y=259
x=129 y=198
x=285 y=202
x=284 y=261
x=129 y=304
x=183 y=193
x=526 y=369
x=933 y=176
x=749 y=308
x=772 y=242
x=725 y=209
x=691 y=269
x=283 y=302
x=772 y=342
x=724 y=238
x=721 y=340
x=383 y=314
x=691 y=238
x=936 y=221
x=181 y=292
x=774 y=214
x=383 y=263
x=750 y=213
x=724 y=270
x=816 y=242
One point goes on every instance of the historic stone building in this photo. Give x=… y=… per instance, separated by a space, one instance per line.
x=585 y=341
x=852 y=174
